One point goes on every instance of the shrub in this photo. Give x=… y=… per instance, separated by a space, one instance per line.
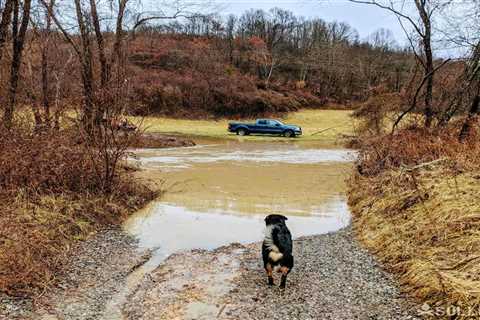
x=54 y=190
x=414 y=146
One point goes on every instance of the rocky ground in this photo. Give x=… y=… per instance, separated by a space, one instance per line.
x=333 y=279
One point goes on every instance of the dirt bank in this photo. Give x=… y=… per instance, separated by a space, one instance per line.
x=42 y=236
x=157 y=140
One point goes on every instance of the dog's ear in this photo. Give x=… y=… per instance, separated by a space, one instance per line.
x=284 y=218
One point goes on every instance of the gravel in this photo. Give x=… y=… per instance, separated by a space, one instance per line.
x=334 y=278
x=96 y=272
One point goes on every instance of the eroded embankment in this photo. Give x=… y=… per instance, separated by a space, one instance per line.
x=424 y=225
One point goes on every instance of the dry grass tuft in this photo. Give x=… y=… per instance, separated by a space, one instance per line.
x=421 y=216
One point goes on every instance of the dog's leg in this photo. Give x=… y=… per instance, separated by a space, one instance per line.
x=269 y=269
x=284 y=271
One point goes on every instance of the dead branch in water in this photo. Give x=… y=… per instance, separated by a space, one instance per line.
x=328 y=129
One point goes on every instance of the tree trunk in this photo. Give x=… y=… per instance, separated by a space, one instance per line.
x=117 y=45
x=36 y=115
x=100 y=44
x=429 y=70
x=44 y=63
x=104 y=68
x=4 y=23
x=18 y=39
x=87 y=70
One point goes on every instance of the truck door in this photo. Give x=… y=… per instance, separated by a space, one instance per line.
x=261 y=126
x=274 y=127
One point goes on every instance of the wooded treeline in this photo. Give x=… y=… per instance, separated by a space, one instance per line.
x=246 y=68
x=329 y=57
x=439 y=89
x=199 y=66
x=103 y=58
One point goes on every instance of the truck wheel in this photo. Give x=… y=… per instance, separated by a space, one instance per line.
x=289 y=134
x=242 y=132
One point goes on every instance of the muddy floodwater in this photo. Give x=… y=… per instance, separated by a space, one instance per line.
x=220 y=192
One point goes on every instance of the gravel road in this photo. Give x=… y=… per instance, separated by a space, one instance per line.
x=333 y=279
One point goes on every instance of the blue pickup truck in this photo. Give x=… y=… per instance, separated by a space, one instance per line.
x=265 y=126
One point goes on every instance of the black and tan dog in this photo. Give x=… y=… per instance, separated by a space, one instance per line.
x=277 y=248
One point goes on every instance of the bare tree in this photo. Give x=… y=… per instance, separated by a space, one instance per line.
x=230 y=35
x=174 y=9
x=473 y=76
x=461 y=30
x=45 y=66
x=119 y=32
x=5 y=23
x=86 y=61
x=426 y=9
x=19 y=31
x=41 y=35
x=88 y=19
x=100 y=43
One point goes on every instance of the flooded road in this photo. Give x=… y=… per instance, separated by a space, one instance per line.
x=219 y=193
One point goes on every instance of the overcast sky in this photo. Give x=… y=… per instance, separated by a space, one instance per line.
x=364 y=18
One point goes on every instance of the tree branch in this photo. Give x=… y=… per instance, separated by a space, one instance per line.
x=60 y=27
x=415 y=97
x=393 y=10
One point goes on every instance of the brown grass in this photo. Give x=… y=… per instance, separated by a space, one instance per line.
x=52 y=193
x=423 y=220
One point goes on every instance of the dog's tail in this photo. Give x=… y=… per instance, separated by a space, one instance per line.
x=275 y=255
